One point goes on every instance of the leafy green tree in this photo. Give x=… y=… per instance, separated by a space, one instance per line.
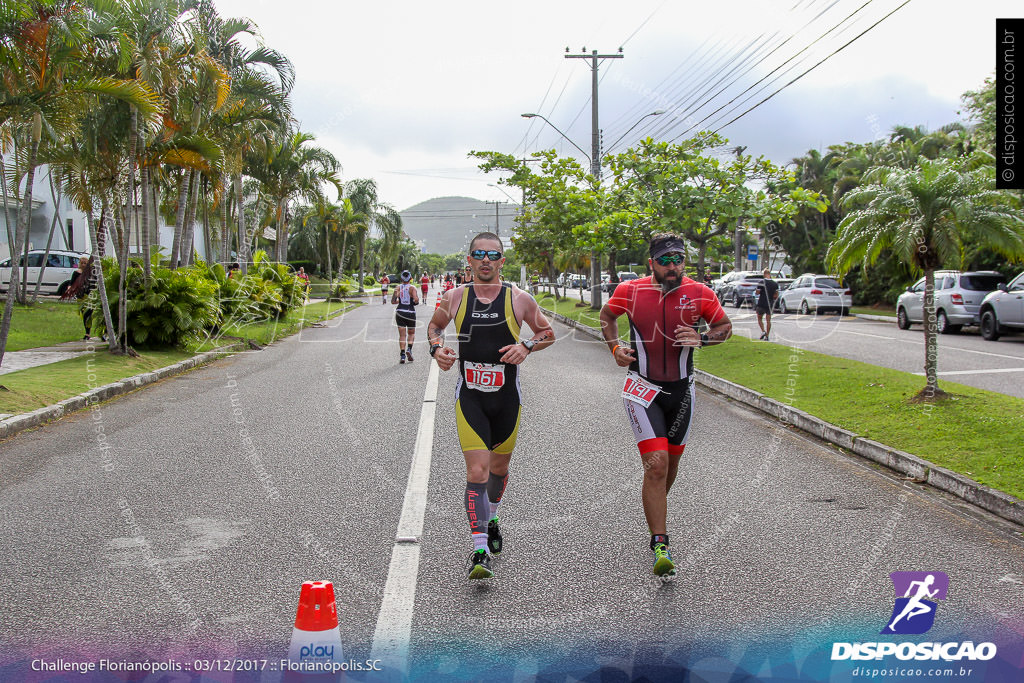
x=926 y=216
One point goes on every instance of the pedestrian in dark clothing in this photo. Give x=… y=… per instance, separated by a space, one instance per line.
x=82 y=283
x=767 y=293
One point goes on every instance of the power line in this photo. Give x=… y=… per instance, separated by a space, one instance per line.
x=832 y=54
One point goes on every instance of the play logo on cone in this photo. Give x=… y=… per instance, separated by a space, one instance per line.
x=316 y=640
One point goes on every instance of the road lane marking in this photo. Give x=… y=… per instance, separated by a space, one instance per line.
x=974 y=372
x=394 y=622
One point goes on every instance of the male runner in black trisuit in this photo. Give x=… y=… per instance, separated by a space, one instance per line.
x=488 y=315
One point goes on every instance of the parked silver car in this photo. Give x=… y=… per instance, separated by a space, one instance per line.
x=813 y=293
x=958 y=299
x=1003 y=310
x=60 y=266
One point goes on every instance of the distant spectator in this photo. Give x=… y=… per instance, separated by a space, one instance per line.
x=767 y=293
x=233 y=269
x=82 y=282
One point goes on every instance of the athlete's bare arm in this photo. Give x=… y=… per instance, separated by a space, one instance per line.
x=624 y=354
x=526 y=306
x=717 y=333
x=445 y=356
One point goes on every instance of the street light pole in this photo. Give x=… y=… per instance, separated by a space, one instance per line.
x=595 y=160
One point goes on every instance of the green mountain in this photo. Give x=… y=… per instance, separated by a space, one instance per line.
x=445 y=225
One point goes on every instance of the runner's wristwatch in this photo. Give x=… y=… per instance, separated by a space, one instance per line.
x=529 y=344
x=433 y=349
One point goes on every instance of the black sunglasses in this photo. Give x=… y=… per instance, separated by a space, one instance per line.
x=479 y=254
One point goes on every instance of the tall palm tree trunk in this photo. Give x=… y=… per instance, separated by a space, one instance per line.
x=7 y=207
x=281 y=251
x=133 y=144
x=122 y=283
x=184 y=184
x=341 y=256
x=225 y=234
x=931 y=389
x=97 y=269
x=243 y=238
x=207 y=238
x=188 y=242
x=46 y=255
x=20 y=237
x=146 y=243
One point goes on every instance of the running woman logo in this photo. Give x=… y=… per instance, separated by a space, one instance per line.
x=916 y=592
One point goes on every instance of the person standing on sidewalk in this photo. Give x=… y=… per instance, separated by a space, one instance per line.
x=488 y=316
x=767 y=293
x=664 y=311
x=405 y=315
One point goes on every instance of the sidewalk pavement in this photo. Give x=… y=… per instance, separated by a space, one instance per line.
x=30 y=358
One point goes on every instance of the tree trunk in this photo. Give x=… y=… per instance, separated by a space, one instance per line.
x=184 y=184
x=931 y=389
x=243 y=239
x=207 y=239
x=46 y=255
x=145 y=244
x=341 y=256
x=97 y=264
x=133 y=144
x=362 y=239
x=21 y=234
x=122 y=283
x=702 y=252
x=225 y=234
x=26 y=210
x=7 y=209
x=281 y=252
x=188 y=248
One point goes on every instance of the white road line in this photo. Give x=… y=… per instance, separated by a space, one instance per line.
x=394 y=622
x=974 y=372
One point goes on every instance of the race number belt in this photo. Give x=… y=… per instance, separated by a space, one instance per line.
x=639 y=390
x=485 y=376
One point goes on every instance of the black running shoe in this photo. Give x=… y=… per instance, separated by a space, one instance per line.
x=480 y=565
x=408 y=355
x=402 y=358
x=494 y=537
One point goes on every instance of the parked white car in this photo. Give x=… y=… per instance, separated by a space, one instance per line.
x=958 y=299
x=813 y=293
x=1002 y=311
x=60 y=266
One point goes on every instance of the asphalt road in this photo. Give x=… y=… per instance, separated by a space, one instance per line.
x=964 y=357
x=176 y=536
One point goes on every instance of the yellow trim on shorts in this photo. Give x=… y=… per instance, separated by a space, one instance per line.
x=506 y=447
x=469 y=440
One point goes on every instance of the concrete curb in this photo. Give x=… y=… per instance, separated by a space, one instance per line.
x=882 y=318
x=12 y=425
x=920 y=470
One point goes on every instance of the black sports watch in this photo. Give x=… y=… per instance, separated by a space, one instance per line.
x=703 y=339
x=433 y=349
x=529 y=344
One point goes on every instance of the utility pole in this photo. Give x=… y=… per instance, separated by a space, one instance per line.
x=497 y=228
x=595 y=160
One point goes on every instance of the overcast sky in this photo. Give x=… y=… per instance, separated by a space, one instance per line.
x=400 y=91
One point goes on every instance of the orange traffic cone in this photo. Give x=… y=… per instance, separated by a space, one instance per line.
x=316 y=640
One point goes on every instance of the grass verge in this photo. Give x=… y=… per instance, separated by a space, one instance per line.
x=46 y=323
x=975 y=433
x=44 y=385
x=570 y=309
x=874 y=310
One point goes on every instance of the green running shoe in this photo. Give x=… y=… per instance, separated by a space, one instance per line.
x=663 y=564
x=493 y=537
x=480 y=565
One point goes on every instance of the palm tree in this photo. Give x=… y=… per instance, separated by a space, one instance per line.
x=383 y=217
x=927 y=215
x=47 y=85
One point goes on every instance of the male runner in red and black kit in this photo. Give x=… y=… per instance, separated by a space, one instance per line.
x=664 y=311
x=488 y=316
